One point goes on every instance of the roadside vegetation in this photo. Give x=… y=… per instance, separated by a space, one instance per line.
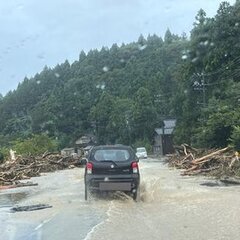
x=32 y=146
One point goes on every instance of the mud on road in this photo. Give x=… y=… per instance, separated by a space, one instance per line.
x=171 y=207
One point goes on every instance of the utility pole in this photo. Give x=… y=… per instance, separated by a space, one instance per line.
x=204 y=90
x=201 y=86
x=204 y=96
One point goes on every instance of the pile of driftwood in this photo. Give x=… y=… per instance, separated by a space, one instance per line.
x=218 y=163
x=26 y=167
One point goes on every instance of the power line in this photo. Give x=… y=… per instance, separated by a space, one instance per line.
x=237 y=59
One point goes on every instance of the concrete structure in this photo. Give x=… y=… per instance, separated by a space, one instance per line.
x=67 y=152
x=163 y=138
x=85 y=141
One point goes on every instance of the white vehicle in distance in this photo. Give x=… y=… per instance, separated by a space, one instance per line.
x=141 y=152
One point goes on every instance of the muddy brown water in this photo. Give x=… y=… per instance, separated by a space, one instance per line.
x=170 y=207
x=12 y=198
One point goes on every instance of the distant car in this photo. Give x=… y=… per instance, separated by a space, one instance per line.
x=112 y=168
x=141 y=152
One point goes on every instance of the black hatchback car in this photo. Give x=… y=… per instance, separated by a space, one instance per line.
x=112 y=168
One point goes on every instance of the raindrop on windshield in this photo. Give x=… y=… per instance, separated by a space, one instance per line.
x=142 y=47
x=105 y=69
x=57 y=75
x=40 y=56
x=184 y=57
x=101 y=86
x=194 y=59
x=205 y=22
x=168 y=8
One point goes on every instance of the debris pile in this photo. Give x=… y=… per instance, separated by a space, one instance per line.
x=218 y=163
x=26 y=167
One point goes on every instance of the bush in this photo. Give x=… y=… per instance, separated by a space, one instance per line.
x=1 y=157
x=4 y=153
x=235 y=138
x=37 y=144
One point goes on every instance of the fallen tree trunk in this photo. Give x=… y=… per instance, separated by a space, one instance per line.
x=206 y=157
x=190 y=169
x=194 y=172
x=19 y=184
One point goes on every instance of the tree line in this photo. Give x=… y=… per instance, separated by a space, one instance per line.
x=122 y=93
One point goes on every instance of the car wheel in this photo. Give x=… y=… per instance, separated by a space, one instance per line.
x=136 y=195
x=86 y=193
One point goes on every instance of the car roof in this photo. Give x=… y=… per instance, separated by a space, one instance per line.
x=117 y=146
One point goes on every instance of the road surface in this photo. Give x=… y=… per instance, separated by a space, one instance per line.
x=171 y=208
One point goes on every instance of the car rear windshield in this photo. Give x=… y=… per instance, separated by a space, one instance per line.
x=111 y=155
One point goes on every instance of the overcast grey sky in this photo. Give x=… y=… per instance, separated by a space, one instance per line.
x=46 y=32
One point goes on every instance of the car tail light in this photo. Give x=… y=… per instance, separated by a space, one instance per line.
x=135 y=167
x=89 y=168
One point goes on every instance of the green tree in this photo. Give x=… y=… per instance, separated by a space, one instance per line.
x=144 y=115
x=37 y=144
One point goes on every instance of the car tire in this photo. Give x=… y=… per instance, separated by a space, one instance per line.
x=86 y=193
x=136 y=195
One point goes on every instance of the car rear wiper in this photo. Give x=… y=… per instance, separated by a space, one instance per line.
x=106 y=161
x=110 y=161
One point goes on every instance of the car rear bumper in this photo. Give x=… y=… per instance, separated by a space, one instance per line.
x=126 y=182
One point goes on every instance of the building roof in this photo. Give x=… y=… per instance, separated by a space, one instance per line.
x=169 y=123
x=168 y=128
x=83 y=140
x=86 y=139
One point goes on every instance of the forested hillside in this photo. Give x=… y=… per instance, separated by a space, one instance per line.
x=121 y=93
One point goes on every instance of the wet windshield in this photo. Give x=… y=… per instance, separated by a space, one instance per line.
x=119 y=119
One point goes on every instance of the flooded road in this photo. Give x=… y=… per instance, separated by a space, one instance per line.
x=171 y=207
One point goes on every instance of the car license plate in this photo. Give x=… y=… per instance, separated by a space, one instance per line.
x=115 y=186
